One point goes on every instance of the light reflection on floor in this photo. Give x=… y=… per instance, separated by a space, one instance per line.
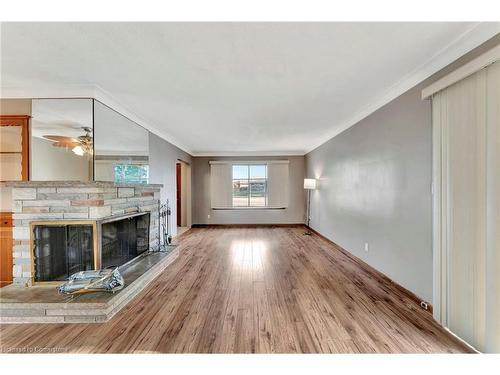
x=248 y=254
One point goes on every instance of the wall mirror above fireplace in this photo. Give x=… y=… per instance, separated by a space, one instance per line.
x=121 y=147
x=61 y=140
x=85 y=140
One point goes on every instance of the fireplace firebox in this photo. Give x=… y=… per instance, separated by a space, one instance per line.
x=123 y=240
x=61 y=248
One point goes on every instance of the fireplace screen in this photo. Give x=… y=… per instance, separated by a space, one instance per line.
x=61 y=250
x=123 y=240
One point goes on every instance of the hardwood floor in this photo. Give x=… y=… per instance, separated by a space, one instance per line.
x=254 y=290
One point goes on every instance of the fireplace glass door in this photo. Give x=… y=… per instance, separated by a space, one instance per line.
x=123 y=240
x=62 y=250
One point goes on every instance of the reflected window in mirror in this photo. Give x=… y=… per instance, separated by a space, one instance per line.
x=132 y=173
x=121 y=147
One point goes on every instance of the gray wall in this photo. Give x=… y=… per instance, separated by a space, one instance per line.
x=375 y=181
x=375 y=187
x=201 y=196
x=163 y=157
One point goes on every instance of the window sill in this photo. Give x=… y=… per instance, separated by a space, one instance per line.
x=247 y=208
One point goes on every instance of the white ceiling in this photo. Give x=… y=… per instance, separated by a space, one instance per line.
x=236 y=88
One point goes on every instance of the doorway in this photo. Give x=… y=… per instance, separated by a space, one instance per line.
x=183 y=197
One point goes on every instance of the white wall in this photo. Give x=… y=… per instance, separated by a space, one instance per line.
x=49 y=163
x=293 y=214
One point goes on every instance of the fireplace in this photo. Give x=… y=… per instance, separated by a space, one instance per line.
x=61 y=248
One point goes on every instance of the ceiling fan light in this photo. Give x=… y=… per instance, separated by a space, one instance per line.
x=78 y=150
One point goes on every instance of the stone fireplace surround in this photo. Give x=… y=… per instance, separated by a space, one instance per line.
x=64 y=200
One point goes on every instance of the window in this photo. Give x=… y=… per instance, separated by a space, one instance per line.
x=250 y=185
x=132 y=173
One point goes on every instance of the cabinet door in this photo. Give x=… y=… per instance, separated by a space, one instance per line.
x=14 y=148
x=14 y=159
x=5 y=248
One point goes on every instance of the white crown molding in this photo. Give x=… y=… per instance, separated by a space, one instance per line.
x=249 y=153
x=467 y=41
x=86 y=91
x=480 y=62
x=251 y=162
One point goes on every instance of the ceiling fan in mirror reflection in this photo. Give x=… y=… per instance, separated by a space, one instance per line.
x=83 y=145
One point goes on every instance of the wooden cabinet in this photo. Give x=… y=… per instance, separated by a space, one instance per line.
x=14 y=166
x=5 y=248
x=14 y=148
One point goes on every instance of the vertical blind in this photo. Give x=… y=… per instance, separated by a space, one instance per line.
x=221 y=178
x=466 y=136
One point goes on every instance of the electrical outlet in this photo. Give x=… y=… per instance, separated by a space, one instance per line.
x=208 y=216
x=366 y=246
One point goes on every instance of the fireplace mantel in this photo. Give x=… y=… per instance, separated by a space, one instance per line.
x=74 y=200
x=97 y=184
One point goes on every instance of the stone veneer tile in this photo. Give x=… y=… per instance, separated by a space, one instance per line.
x=23 y=312
x=17 y=206
x=151 y=207
x=33 y=319
x=21 y=223
x=139 y=199
x=80 y=190
x=21 y=233
x=21 y=248
x=37 y=216
x=88 y=202
x=24 y=281
x=117 y=211
x=47 y=190
x=62 y=196
x=43 y=203
x=126 y=192
x=20 y=242
x=71 y=209
x=78 y=215
x=24 y=262
x=115 y=201
x=17 y=271
x=104 y=196
x=23 y=193
x=99 y=212
x=35 y=209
